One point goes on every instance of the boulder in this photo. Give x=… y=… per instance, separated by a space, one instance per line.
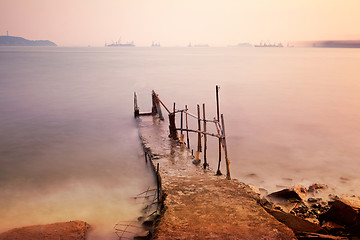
x=317 y=187
x=145 y=235
x=342 y=212
x=298 y=192
x=297 y=224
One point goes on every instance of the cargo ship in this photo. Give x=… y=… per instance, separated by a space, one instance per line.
x=119 y=44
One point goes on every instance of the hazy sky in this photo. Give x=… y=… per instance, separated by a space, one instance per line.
x=178 y=22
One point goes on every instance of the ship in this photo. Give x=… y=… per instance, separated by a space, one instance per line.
x=269 y=45
x=154 y=44
x=119 y=44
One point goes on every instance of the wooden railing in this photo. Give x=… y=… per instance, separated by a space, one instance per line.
x=201 y=130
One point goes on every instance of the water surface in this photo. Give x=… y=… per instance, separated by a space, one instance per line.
x=69 y=144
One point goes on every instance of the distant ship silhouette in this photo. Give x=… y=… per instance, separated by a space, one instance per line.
x=119 y=44
x=269 y=45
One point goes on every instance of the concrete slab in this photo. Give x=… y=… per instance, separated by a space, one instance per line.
x=198 y=204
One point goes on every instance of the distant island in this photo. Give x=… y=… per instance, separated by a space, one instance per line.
x=337 y=44
x=19 y=41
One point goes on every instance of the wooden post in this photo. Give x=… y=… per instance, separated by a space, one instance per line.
x=187 y=128
x=181 y=131
x=158 y=181
x=205 y=137
x=199 y=128
x=172 y=125
x=225 y=148
x=136 y=108
x=197 y=157
x=218 y=119
x=154 y=102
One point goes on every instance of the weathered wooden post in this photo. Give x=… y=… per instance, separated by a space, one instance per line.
x=136 y=108
x=181 y=127
x=154 y=103
x=157 y=105
x=158 y=181
x=205 y=137
x=218 y=119
x=187 y=128
x=199 y=147
x=225 y=148
x=172 y=125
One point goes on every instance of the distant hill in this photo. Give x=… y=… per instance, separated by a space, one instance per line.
x=19 y=41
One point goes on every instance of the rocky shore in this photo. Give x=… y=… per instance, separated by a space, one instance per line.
x=315 y=213
x=73 y=230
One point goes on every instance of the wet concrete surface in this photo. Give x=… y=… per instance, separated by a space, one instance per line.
x=199 y=204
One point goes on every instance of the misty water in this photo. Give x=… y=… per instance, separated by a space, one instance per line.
x=69 y=146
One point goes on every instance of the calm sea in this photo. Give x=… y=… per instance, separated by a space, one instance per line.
x=69 y=144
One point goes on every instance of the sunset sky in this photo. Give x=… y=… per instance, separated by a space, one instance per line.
x=178 y=22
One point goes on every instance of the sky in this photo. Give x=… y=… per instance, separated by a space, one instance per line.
x=178 y=22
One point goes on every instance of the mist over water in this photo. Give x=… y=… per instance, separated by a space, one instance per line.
x=69 y=146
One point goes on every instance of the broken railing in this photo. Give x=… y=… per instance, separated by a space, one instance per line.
x=201 y=130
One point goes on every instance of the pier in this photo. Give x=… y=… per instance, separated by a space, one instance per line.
x=194 y=201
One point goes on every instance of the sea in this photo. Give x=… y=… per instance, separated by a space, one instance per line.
x=69 y=144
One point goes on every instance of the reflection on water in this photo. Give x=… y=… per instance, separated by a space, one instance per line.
x=69 y=145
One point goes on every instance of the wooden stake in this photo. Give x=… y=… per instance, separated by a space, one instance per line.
x=172 y=126
x=154 y=101
x=218 y=119
x=205 y=137
x=158 y=181
x=225 y=148
x=199 y=128
x=187 y=128
x=181 y=126
x=136 y=108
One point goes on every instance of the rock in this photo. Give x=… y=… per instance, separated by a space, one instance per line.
x=316 y=206
x=285 y=194
x=310 y=236
x=298 y=192
x=312 y=200
x=145 y=235
x=355 y=230
x=255 y=189
x=332 y=227
x=313 y=220
x=73 y=230
x=297 y=224
x=342 y=212
x=196 y=161
x=317 y=187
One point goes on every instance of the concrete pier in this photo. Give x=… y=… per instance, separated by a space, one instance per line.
x=198 y=204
